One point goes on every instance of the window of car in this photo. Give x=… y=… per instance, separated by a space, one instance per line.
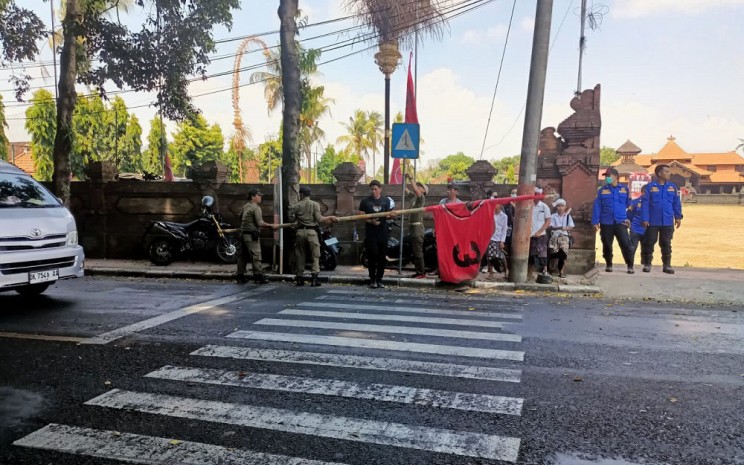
x=21 y=191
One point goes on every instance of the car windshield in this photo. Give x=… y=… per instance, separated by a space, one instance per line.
x=20 y=191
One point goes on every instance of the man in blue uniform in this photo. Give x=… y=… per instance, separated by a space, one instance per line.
x=610 y=218
x=661 y=211
x=637 y=229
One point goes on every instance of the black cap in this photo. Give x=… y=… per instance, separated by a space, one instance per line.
x=306 y=191
x=611 y=171
x=254 y=192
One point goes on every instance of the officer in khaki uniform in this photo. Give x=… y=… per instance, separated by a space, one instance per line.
x=306 y=216
x=418 y=200
x=251 y=222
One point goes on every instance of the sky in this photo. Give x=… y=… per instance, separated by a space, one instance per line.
x=666 y=67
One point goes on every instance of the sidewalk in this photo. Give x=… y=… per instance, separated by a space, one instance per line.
x=341 y=275
x=704 y=285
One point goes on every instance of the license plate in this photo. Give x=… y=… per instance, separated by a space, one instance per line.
x=331 y=241
x=43 y=276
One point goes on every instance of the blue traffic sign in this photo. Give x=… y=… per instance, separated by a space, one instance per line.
x=405 y=140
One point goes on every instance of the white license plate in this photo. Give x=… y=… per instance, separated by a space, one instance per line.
x=331 y=241
x=43 y=276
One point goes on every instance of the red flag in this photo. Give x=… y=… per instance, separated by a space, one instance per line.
x=396 y=176
x=167 y=170
x=462 y=238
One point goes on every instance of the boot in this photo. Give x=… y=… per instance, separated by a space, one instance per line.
x=608 y=268
x=261 y=279
x=299 y=281
x=241 y=279
x=667 y=268
x=314 y=280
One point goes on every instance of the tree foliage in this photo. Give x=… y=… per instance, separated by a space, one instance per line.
x=607 y=156
x=194 y=143
x=269 y=158
x=3 y=138
x=507 y=169
x=330 y=160
x=20 y=32
x=130 y=148
x=454 y=166
x=151 y=160
x=40 y=124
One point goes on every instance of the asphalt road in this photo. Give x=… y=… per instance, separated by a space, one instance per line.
x=184 y=372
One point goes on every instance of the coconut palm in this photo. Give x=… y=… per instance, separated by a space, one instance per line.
x=375 y=135
x=356 y=139
x=315 y=105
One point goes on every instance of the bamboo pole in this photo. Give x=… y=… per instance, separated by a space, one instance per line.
x=408 y=211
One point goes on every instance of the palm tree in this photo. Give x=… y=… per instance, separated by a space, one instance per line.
x=315 y=105
x=375 y=135
x=356 y=139
x=242 y=134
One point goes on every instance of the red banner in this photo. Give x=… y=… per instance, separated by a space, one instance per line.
x=396 y=176
x=462 y=239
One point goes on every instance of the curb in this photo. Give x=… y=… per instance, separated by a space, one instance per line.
x=339 y=279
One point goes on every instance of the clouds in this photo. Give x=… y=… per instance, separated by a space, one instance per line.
x=640 y=8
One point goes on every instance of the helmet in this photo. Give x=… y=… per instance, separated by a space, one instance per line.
x=207 y=201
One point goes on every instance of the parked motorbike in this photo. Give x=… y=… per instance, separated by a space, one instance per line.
x=392 y=254
x=166 y=241
x=329 y=249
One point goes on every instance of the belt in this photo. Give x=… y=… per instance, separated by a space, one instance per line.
x=307 y=227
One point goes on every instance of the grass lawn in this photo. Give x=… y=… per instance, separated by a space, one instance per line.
x=711 y=236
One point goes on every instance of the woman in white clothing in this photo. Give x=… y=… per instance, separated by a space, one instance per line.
x=561 y=224
x=496 y=255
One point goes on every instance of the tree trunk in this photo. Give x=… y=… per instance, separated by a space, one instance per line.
x=66 y=103
x=290 y=62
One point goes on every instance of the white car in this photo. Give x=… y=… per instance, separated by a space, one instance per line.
x=38 y=236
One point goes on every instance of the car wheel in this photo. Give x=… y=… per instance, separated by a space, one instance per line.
x=32 y=289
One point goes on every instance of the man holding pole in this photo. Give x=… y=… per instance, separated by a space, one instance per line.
x=376 y=233
x=418 y=200
x=307 y=217
x=251 y=222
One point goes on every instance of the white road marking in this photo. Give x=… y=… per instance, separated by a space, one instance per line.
x=42 y=337
x=410 y=309
x=479 y=297
x=362 y=362
x=334 y=387
x=149 y=450
x=328 y=426
x=391 y=329
x=407 y=318
x=378 y=344
x=110 y=336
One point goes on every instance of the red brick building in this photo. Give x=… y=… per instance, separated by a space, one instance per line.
x=707 y=173
x=19 y=154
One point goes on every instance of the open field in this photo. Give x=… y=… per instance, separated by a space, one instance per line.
x=711 y=236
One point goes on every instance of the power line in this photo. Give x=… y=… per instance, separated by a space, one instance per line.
x=468 y=5
x=519 y=115
x=498 y=78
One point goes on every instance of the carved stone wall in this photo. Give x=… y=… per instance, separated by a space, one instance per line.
x=568 y=162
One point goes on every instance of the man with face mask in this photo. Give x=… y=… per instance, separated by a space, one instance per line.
x=610 y=218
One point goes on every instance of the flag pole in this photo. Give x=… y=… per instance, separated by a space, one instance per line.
x=402 y=218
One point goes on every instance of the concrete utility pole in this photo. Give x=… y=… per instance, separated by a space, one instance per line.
x=530 y=140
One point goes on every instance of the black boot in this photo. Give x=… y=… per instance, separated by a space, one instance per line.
x=314 y=280
x=261 y=279
x=299 y=281
x=242 y=279
x=667 y=268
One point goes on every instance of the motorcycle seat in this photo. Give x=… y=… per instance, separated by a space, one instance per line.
x=181 y=225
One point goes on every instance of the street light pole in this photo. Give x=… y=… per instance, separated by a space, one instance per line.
x=530 y=140
x=387 y=60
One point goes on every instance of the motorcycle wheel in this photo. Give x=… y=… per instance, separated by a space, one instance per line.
x=363 y=259
x=161 y=252
x=227 y=250
x=327 y=260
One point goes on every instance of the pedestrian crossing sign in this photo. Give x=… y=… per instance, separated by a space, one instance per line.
x=405 y=140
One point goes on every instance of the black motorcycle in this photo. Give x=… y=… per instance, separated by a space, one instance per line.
x=392 y=254
x=204 y=237
x=329 y=249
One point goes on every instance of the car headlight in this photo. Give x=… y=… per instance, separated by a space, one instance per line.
x=72 y=238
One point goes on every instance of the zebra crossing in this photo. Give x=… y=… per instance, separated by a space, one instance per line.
x=332 y=340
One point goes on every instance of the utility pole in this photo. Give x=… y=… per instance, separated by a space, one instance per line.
x=582 y=44
x=54 y=50
x=530 y=140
